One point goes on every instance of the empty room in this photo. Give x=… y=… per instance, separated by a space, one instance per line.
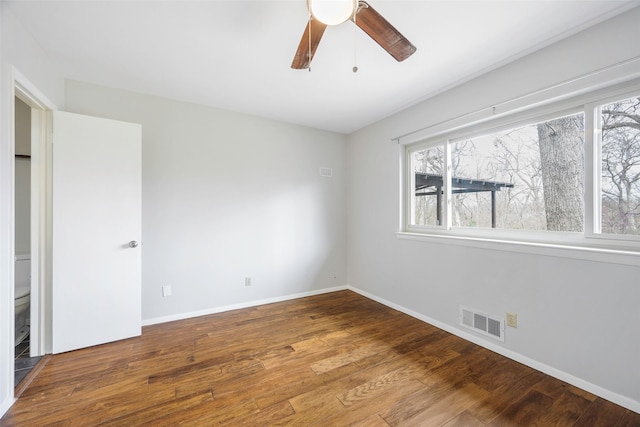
x=319 y=212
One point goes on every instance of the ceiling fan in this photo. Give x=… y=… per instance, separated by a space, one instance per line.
x=334 y=12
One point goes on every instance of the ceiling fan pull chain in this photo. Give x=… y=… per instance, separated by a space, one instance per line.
x=355 y=66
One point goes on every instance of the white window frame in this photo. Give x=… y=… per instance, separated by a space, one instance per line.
x=589 y=244
x=595 y=231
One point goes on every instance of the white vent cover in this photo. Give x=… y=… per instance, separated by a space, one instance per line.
x=485 y=324
x=326 y=172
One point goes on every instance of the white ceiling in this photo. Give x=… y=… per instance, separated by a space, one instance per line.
x=237 y=54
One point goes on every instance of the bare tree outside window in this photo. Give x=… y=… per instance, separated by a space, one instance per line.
x=621 y=167
x=561 y=143
x=428 y=161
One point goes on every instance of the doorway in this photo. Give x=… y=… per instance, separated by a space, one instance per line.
x=22 y=241
x=32 y=200
x=123 y=292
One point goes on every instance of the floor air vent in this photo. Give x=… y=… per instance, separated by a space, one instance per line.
x=487 y=325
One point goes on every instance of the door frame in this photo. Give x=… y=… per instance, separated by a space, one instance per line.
x=41 y=218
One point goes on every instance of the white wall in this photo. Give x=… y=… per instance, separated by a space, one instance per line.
x=23 y=128
x=226 y=196
x=22 y=178
x=577 y=319
x=17 y=49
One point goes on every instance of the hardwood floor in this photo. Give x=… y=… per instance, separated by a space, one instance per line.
x=329 y=360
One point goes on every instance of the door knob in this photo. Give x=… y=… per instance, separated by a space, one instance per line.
x=133 y=244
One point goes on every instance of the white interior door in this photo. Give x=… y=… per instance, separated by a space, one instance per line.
x=96 y=289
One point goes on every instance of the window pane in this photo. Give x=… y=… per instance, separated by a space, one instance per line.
x=621 y=167
x=427 y=168
x=530 y=178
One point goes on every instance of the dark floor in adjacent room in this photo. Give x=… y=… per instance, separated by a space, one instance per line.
x=23 y=363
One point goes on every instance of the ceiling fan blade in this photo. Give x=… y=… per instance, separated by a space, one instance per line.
x=303 y=56
x=385 y=34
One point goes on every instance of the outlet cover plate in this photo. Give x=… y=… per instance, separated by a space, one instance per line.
x=512 y=320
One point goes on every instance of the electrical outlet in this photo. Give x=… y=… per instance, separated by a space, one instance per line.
x=166 y=290
x=512 y=320
x=247 y=281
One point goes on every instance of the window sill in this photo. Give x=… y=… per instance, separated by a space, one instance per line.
x=581 y=250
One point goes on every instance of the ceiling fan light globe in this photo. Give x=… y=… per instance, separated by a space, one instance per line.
x=332 y=12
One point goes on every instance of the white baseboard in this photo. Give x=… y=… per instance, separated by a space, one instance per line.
x=222 y=309
x=549 y=370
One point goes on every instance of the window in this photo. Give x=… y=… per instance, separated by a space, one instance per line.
x=535 y=176
x=428 y=183
x=525 y=178
x=619 y=126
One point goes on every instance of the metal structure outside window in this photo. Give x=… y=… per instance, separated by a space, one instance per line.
x=431 y=185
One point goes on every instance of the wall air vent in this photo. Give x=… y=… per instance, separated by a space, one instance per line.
x=485 y=324
x=326 y=172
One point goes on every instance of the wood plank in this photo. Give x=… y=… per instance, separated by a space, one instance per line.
x=371 y=421
x=464 y=419
x=150 y=413
x=629 y=419
x=601 y=414
x=332 y=359
x=525 y=412
x=359 y=410
x=446 y=407
x=503 y=396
